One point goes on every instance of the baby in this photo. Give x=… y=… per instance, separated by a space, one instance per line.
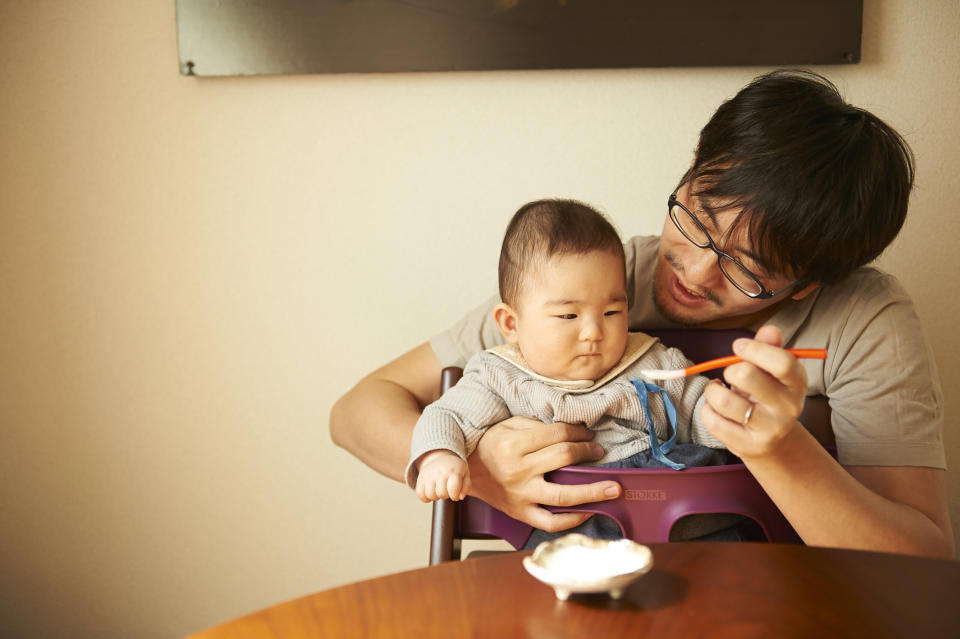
x=568 y=358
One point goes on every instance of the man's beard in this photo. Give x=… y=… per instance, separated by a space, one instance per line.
x=657 y=295
x=664 y=311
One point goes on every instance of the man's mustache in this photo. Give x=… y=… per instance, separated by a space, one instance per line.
x=678 y=267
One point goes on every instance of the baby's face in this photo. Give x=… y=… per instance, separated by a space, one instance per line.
x=572 y=315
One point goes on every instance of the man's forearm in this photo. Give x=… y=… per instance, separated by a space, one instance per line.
x=891 y=509
x=374 y=422
x=887 y=510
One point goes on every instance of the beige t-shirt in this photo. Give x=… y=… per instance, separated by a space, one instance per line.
x=880 y=376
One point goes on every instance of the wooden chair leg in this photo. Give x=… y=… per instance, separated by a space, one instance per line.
x=444 y=543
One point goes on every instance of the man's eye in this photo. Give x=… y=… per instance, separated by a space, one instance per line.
x=755 y=269
x=568 y=316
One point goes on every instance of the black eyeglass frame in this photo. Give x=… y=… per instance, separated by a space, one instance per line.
x=763 y=294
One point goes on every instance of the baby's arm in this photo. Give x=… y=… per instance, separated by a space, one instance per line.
x=442 y=475
x=456 y=421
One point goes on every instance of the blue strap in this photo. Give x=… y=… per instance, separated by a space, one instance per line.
x=659 y=450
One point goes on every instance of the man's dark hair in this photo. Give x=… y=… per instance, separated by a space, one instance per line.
x=546 y=228
x=823 y=185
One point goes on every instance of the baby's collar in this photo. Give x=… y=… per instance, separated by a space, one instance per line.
x=637 y=345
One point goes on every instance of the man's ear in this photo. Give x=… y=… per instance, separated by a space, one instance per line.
x=806 y=290
x=506 y=319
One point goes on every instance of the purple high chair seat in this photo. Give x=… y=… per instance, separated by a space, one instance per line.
x=653 y=500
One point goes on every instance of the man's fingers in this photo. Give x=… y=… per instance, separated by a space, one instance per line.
x=553 y=522
x=531 y=435
x=563 y=454
x=759 y=436
x=550 y=494
x=775 y=394
x=727 y=402
x=770 y=359
x=774 y=361
x=769 y=334
x=733 y=435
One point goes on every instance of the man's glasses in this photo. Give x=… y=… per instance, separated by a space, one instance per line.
x=692 y=229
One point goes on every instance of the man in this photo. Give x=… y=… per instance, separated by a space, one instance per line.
x=792 y=191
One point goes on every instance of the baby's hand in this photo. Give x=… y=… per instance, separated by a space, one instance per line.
x=443 y=475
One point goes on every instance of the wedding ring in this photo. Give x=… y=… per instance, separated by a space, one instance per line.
x=746 y=417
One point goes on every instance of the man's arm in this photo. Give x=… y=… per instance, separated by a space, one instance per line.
x=890 y=509
x=374 y=421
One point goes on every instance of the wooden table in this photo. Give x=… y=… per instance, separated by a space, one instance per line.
x=695 y=590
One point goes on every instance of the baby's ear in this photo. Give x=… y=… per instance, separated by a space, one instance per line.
x=506 y=319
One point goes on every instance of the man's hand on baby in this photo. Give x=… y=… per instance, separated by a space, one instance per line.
x=765 y=398
x=508 y=465
x=442 y=475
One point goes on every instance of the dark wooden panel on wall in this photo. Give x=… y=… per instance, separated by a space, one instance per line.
x=241 y=37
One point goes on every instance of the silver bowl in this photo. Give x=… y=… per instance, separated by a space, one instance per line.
x=575 y=563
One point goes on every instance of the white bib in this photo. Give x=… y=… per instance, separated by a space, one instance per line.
x=637 y=345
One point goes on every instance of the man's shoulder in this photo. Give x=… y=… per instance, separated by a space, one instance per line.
x=640 y=253
x=867 y=297
x=641 y=248
x=880 y=373
x=489 y=362
x=866 y=287
x=869 y=277
x=474 y=332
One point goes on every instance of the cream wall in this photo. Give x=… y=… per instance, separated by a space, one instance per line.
x=193 y=270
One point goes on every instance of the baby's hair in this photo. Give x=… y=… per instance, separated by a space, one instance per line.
x=547 y=228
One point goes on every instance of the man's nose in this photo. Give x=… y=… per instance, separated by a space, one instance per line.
x=700 y=267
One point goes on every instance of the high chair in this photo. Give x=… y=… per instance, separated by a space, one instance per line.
x=653 y=500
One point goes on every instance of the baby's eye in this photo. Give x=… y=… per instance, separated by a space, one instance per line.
x=611 y=313
x=568 y=316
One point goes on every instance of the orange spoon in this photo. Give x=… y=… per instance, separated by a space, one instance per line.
x=655 y=373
